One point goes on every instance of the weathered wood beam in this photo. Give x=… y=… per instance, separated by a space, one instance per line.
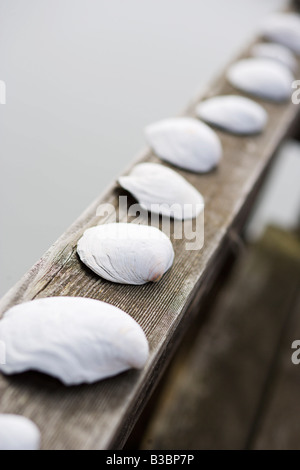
x=220 y=388
x=102 y=415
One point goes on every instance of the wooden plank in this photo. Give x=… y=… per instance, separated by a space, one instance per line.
x=216 y=383
x=102 y=415
x=277 y=427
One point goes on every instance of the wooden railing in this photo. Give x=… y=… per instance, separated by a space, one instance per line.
x=103 y=415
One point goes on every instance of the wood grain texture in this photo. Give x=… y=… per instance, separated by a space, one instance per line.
x=102 y=415
x=277 y=426
x=214 y=390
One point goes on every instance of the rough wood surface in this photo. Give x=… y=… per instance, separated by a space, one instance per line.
x=102 y=415
x=279 y=424
x=217 y=390
x=277 y=427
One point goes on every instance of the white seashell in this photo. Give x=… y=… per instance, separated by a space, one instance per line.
x=234 y=114
x=76 y=340
x=276 y=52
x=126 y=253
x=186 y=143
x=263 y=78
x=163 y=191
x=283 y=28
x=18 y=433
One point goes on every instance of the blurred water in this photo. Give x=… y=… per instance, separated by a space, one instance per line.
x=83 y=78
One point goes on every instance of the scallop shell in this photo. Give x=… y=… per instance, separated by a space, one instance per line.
x=163 y=191
x=276 y=52
x=186 y=143
x=126 y=253
x=263 y=78
x=284 y=28
x=232 y=113
x=18 y=433
x=76 y=340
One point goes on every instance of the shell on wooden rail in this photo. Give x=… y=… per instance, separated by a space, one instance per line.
x=234 y=114
x=277 y=52
x=283 y=28
x=262 y=78
x=160 y=190
x=126 y=253
x=75 y=340
x=18 y=433
x=186 y=143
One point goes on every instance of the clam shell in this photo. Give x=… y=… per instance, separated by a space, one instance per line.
x=126 y=253
x=186 y=143
x=76 y=340
x=263 y=78
x=277 y=52
x=232 y=113
x=18 y=433
x=284 y=28
x=163 y=191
